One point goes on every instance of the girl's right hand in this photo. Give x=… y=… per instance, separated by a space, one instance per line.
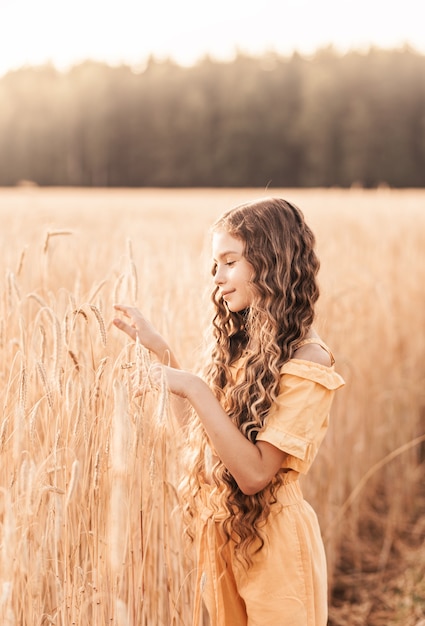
x=140 y=327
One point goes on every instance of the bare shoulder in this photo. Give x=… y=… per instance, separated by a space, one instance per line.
x=313 y=352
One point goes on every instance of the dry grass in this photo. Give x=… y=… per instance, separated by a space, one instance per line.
x=90 y=528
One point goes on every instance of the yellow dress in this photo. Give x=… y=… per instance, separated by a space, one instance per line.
x=287 y=582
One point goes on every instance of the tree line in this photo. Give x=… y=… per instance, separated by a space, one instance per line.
x=325 y=120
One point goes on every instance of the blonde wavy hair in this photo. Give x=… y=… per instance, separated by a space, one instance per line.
x=280 y=247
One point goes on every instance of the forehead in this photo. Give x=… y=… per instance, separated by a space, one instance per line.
x=223 y=243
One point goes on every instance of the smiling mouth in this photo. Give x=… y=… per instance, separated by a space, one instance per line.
x=226 y=293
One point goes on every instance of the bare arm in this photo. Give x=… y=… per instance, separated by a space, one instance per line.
x=252 y=465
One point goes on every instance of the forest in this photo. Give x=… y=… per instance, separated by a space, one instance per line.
x=343 y=120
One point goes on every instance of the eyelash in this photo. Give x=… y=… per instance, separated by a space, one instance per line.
x=228 y=264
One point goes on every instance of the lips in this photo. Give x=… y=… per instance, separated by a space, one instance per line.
x=226 y=293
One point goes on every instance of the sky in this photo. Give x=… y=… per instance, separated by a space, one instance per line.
x=66 y=32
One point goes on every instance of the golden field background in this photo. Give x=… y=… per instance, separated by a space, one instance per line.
x=90 y=527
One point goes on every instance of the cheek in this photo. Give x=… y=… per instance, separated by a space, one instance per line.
x=248 y=272
x=250 y=279
x=251 y=289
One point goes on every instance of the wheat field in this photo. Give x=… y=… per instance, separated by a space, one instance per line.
x=90 y=524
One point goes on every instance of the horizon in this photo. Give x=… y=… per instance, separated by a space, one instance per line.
x=65 y=34
x=141 y=65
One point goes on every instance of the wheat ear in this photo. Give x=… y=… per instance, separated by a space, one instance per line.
x=101 y=323
x=75 y=470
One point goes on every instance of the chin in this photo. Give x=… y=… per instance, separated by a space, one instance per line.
x=238 y=309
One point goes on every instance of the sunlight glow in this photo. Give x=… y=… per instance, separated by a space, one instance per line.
x=65 y=32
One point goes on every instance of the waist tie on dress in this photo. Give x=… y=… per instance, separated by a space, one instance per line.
x=209 y=513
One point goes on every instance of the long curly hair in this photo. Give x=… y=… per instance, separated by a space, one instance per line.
x=280 y=247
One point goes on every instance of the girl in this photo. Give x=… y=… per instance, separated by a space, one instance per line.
x=259 y=414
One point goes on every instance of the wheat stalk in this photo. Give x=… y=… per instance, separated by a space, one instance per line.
x=54 y=233
x=119 y=446
x=21 y=260
x=32 y=421
x=13 y=287
x=43 y=377
x=39 y=299
x=101 y=323
x=73 y=482
x=133 y=272
x=117 y=288
x=96 y=290
x=80 y=311
x=56 y=564
x=74 y=359
x=3 y=432
x=96 y=391
x=96 y=471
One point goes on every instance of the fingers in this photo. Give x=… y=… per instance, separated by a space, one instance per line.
x=130 y=330
x=129 y=312
x=124 y=309
x=138 y=327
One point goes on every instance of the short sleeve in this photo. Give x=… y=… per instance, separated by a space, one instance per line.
x=298 y=420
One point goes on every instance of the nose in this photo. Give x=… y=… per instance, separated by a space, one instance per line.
x=219 y=276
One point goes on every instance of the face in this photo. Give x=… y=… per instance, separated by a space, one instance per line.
x=233 y=271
